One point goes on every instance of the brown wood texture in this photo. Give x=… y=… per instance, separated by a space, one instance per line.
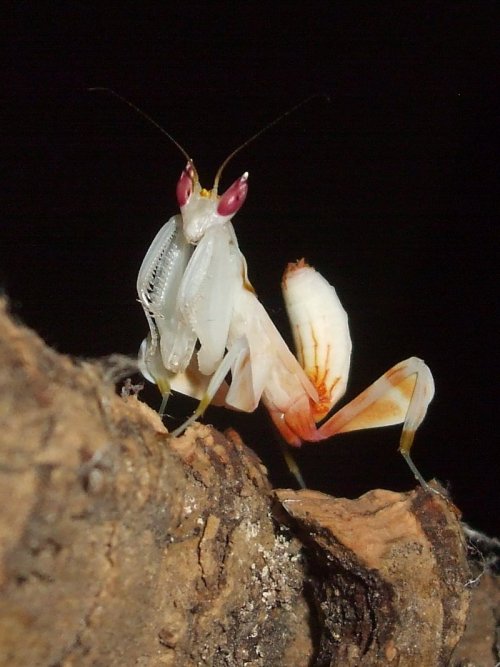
x=120 y=545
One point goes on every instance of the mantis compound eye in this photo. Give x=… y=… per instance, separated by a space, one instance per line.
x=233 y=198
x=185 y=185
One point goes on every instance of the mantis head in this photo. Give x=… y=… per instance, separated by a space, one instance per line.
x=202 y=209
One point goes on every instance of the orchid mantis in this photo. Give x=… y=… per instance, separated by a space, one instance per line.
x=206 y=324
x=211 y=338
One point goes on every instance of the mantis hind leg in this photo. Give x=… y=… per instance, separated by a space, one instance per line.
x=400 y=395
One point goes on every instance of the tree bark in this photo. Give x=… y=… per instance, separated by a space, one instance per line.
x=120 y=545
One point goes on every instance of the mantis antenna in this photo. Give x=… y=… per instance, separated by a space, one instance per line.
x=236 y=150
x=261 y=131
x=146 y=117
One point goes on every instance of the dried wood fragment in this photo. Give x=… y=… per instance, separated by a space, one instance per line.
x=389 y=575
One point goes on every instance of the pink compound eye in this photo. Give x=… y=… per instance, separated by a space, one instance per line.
x=233 y=198
x=185 y=185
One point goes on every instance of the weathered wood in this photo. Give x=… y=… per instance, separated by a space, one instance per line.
x=120 y=545
x=389 y=575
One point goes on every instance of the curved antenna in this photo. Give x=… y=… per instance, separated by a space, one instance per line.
x=261 y=131
x=146 y=117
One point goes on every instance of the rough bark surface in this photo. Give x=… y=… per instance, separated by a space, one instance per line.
x=120 y=545
x=389 y=575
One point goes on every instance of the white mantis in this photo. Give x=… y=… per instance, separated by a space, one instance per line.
x=211 y=338
x=206 y=322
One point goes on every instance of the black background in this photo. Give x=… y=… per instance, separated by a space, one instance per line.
x=386 y=190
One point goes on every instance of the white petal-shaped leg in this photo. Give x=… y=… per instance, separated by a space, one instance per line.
x=216 y=381
x=194 y=384
x=401 y=395
x=190 y=382
x=320 y=331
x=152 y=368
